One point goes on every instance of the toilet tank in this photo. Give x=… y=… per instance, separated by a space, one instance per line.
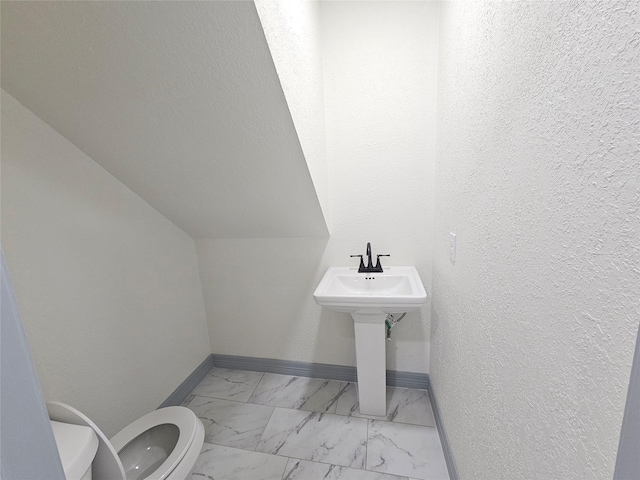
x=77 y=446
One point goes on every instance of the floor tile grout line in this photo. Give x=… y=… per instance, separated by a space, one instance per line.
x=284 y=471
x=234 y=401
x=298 y=458
x=334 y=413
x=313 y=411
x=293 y=408
x=334 y=465
x=286 y=466
x=221 y=398
x=265 y=429
x=213 y=377
x=288 y=457
x=254 y=388
x=366 y=449
x=311 y=461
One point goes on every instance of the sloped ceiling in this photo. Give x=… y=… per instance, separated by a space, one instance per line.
x=178 y=100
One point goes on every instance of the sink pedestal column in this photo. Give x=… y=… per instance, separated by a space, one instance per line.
x=371 y=362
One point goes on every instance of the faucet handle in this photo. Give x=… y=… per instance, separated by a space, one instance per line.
x=378 y=267
x=361 y=267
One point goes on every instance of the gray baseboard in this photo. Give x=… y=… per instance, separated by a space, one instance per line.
x=316 y=370
x=419 y=381
x=285 y=367
x=442 y=433
x=185 y=388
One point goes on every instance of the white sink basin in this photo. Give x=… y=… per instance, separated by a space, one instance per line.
x=396 y=290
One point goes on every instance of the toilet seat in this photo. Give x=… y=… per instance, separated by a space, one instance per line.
x=181 y=417
x=107 y=464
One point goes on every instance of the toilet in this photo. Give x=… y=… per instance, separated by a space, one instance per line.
x=161 y=445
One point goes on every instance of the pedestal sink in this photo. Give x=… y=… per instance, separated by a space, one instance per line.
x=369 y=298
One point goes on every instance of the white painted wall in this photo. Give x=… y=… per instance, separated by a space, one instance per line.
x=178 y=100
x=538 y=174
x=292 y=30
x=108 y=288
x=379 y=68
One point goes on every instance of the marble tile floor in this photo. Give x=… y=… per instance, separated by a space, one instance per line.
x=262 y=426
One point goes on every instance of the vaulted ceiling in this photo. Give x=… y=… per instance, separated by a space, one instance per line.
x=178 y=100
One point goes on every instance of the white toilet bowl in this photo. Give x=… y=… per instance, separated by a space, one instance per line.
x=162 y=445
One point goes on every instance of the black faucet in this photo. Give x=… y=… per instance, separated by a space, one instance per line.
x=370 y=268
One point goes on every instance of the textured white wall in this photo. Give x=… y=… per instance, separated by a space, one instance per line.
x=538 y=174
x=380 y=62
x=291 y=28
x=108 y=288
